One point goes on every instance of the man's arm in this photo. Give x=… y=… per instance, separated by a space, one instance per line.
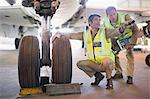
x=76 y=36
x=134 y=29
x=111 y=33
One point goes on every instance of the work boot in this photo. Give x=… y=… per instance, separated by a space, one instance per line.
x=130 y=80
x=109 y=84
x=117 y=76
x=98 y=78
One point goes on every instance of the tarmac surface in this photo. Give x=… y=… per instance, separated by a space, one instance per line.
x=9 y=85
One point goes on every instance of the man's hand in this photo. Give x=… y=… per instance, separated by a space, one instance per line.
x=125 y=26
x=140 y=34
x=129 y=46
x=122 y=28
x=57 y=35
x=129 y=24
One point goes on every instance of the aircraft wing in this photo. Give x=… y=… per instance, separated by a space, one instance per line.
x=18 y=15
x=14 y=18
x=65 y=11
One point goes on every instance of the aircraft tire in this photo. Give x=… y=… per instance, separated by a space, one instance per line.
x=29 y=62
x=61 y=61
x=147 y=60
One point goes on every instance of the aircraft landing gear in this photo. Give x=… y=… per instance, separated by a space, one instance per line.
x=29 y=61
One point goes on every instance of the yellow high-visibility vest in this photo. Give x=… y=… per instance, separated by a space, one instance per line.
x=99 y=48
x=121 y=19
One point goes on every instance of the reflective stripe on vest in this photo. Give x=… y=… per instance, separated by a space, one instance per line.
x=100 y=54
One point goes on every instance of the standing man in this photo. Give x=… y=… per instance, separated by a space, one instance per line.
x=100 y=56
x=115 y=20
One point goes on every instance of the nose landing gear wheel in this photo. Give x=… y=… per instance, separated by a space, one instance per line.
x=29 y=62
x=62 y=61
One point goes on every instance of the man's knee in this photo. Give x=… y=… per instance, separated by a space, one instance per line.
x=130 y=56
x=129 y=53
x=108 y=63
x=80 y=64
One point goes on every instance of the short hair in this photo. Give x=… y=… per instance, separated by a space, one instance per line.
x=91 y=17
x=109 y=9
